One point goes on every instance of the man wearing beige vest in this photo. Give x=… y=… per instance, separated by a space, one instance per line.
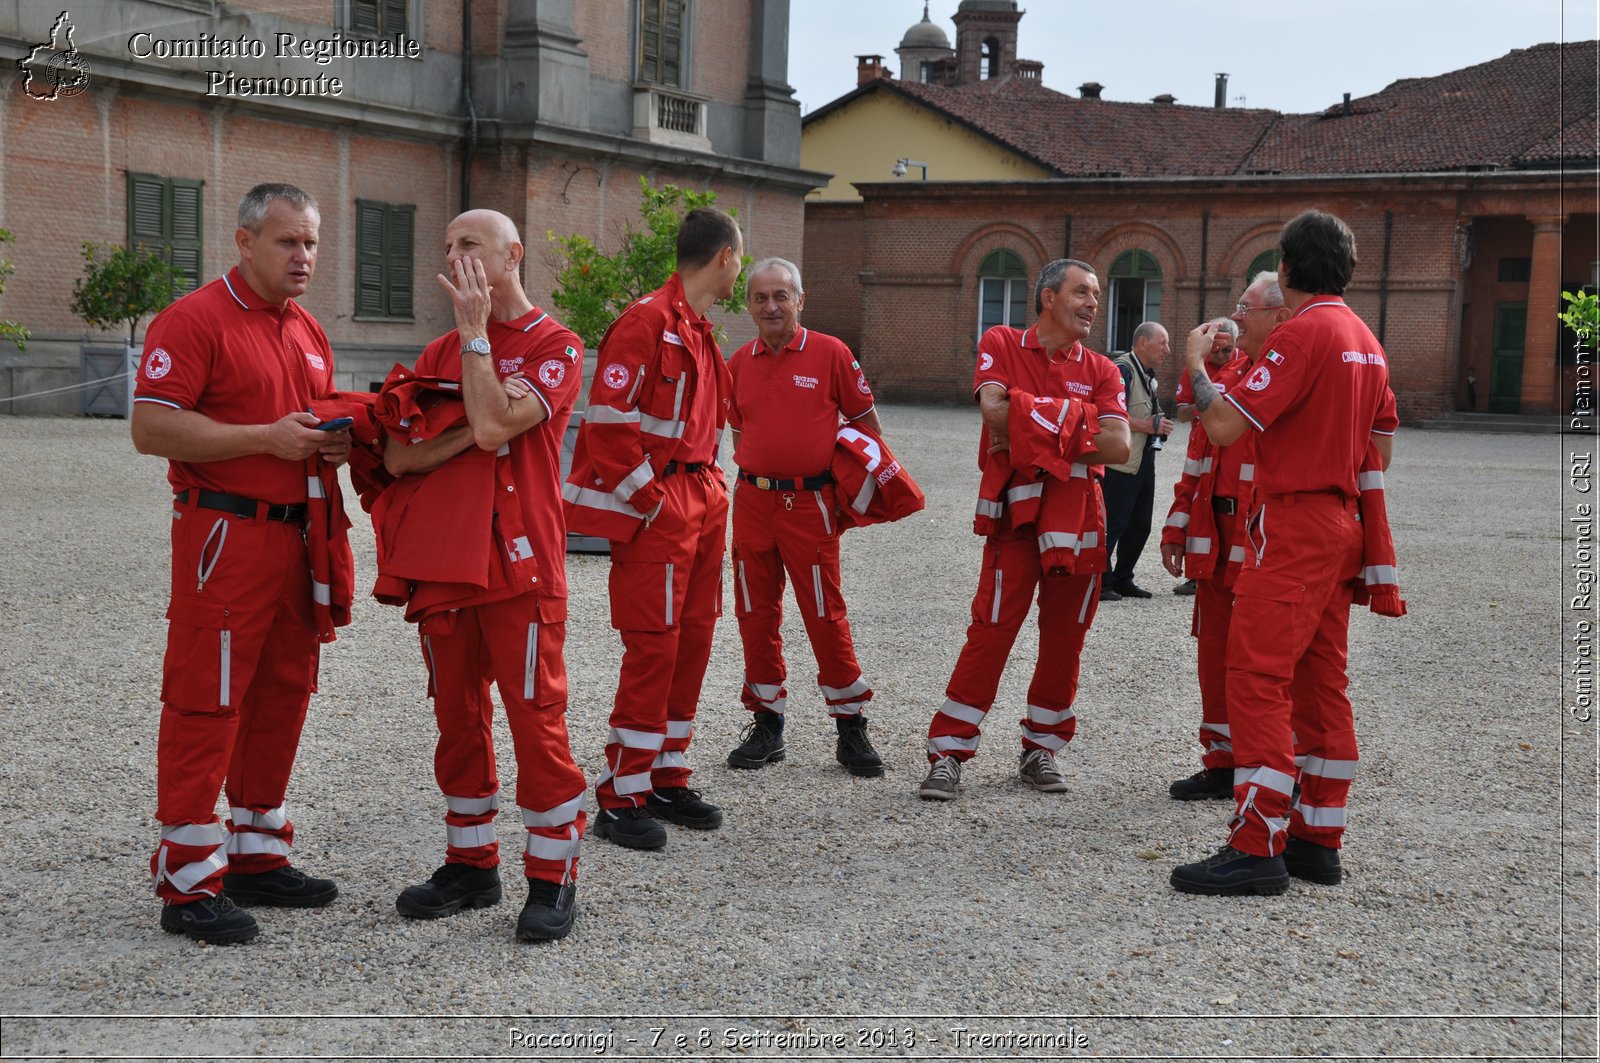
x=1130 y=488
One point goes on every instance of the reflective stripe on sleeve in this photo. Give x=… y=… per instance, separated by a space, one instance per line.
x=1196 y=466
x=1178 y=520
x=610 y=415
x=1370 y=481
x=661 y=426
x=1197 y=544
x=1374 y=575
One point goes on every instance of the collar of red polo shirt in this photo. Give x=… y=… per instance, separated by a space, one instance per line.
x=762 y=348
x=1073 y=353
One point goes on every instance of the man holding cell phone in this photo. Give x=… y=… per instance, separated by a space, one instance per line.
x=222 y=392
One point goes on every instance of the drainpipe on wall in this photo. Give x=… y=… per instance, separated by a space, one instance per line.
x=1383 y=278
x=1205 y=236
x=470 y=144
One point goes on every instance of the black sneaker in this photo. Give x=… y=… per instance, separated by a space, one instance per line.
x=450 y=889
x=282 y=887
x=1312 y=862
x=762 y=742
x=1230 y=873
x=1186 y=588
x=549 y=912
x=854 y=751
x=1129 y=589
x=631 y=828
x=1207 y=784
x=213 y=920
x=1109 y=595
x=685 y=807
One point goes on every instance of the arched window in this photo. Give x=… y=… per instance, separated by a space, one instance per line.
x=991 y=57
x=1266 y=260
x=1135 y=297
x=1002 y=291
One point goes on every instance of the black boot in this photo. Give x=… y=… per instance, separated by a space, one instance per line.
x=549 y=912
x=762 y=744
x=1312 y=862
x=1231 y=873
x=448 y=890
x=855 y=752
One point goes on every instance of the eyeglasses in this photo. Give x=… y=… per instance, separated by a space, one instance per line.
x=1242 y=309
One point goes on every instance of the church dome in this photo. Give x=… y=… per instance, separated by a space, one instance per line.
x=925 y=34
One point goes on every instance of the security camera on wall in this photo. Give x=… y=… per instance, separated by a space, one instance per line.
x=900 y=168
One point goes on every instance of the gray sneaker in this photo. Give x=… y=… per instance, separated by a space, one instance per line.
x=1038 y=769
x=944 y=778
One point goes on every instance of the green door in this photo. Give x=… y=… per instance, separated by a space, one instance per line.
x=1505 y=368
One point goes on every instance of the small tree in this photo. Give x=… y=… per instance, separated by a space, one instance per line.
x=1582 y=315
x=126 y=285
x=10 y=330
x=592 y=288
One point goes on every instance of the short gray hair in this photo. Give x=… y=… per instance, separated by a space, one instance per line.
x=1268 y=279
x=256 y=202
x=1226 y=324
x=783 y=264
x=1053 y=276
x=1147 y=330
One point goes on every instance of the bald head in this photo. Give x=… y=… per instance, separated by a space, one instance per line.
x=491 y=237
x=489 y=221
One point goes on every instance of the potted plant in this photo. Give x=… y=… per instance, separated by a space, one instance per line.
x=120 y=285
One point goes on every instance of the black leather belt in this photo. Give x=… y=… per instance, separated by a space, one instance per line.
x=1230 y=506
x=809 y=483
x=682 y=466
x=239 y=506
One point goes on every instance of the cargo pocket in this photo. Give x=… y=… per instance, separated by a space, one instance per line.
x=642 y=596
x=199 y=673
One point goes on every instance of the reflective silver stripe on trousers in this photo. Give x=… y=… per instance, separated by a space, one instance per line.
x=636 y=739
x=994 y=612
x=1178 y=520
x=610 y=415
x=816 y=588
x=272 y=819
x=672 y=758
x=1048 y=717
x=965 y=713
x=314 y=487
x=941 y=746
x=744 y=588
x=680 y=728
x=1330 y=769
x=627 y=785
x=250 y=843
x=1091 y=594
x=427 y=657
x=212 y=834
x=542 y=848
x=764 y=691
x=854 y=690
x=530 y=663
x=1219 y=728
x=225 y=668
x=557 y=816
x=472 y=806
x=470 y=837
x=827 y=522
x=187 y=877
x=1271 y=778
x=1370 y=481
x=1376 y=574
x=669 y=594
x=1039 y=738
x=1323 y=816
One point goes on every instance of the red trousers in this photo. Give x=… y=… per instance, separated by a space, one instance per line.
x=666 y=595
x=1067 y=605
x=507 y=642
x=1287 y=652
x=1213 y=616
x=240 y=666
x=793 y=532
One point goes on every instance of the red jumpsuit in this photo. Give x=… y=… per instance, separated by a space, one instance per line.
x=242 y=644
x=1212 y=493
x=649 y=444
x=509 y=625
x=1315 y=397
x=786 y=408
x=1012 y=358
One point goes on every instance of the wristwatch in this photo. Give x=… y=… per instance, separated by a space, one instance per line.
x=477 y=346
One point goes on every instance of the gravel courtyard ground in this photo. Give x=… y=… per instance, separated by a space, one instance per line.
x=830 y=916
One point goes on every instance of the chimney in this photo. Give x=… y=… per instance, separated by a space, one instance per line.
x=1346 y=111
x=1090 y=90
x=1222 y=91
x=869 y=68
x=1165 y=97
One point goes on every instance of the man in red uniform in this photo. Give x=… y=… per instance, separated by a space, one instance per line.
x=1224 y=349
x=1047 y=360
x=511 y=629
x=222 y=392
x=644 y=475
x=791 y=389
x=1219 y=479
x=1316 y=399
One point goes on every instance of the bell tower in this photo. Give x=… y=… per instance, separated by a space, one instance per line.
x=986 y=39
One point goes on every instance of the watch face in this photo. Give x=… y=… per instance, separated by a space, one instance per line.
x=477 y=346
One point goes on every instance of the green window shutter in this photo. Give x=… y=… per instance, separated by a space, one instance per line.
x=369 y=258
x=394 y=17
x=164 y=215
x=184 y=239
x=364 y=15
x=399 y=244
x=147 y=211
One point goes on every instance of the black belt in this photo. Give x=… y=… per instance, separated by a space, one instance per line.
x=809 y=483
x=1230 y=506
x=682 y=466
x=239 y=506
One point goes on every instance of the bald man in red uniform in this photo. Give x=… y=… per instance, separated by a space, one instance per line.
x=222 y=392
x=1317 y=397
x=792 y=386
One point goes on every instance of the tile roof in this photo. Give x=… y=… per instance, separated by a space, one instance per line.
x=1531 y=108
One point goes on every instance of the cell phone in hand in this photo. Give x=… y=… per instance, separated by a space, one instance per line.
x=338 y=424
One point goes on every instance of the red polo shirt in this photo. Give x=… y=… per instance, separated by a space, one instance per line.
x=1320 y=390
x=225 y=352
x=786 y=406
x=1014 y=358
x=550 y=357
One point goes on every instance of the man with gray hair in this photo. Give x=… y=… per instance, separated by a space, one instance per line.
x=222 y=392
x=792 y=388
x=1130 y=487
